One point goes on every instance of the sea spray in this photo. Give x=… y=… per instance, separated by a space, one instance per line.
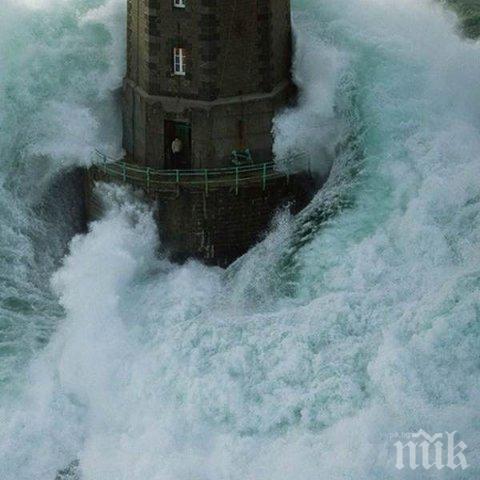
x=60 y=65
x=158 y=371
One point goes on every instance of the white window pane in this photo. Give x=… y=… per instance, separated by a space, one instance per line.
x=179 y=61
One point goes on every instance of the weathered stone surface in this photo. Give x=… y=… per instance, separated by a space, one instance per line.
x=219 y=226
x=237 y=70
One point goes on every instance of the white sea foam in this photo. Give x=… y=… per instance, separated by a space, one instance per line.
x=58 y=69
x=166 y=372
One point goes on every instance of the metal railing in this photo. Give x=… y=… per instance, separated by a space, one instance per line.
x=208 y=178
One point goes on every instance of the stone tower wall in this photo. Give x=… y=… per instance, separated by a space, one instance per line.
x=238 y=60
x=219 y=226
x=238 y=68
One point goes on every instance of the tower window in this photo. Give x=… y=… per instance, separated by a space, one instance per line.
x=178 y=61
x=179 y=3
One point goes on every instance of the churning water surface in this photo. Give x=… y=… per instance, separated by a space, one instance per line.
x=352 y=323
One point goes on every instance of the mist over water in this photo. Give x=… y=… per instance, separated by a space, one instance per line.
x=59 y=63
x=354 y=321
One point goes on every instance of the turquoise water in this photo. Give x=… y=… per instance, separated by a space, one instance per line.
x=350 y=324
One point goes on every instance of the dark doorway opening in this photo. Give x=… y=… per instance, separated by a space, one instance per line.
x=178 y=145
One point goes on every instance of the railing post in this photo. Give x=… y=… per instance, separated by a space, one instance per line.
x=148 y=178
x=264 y=179
x=124 y=172
x=206 y=182
x=236 y=180
x=177 y=176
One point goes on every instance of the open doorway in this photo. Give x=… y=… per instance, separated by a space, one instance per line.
x=178 y=145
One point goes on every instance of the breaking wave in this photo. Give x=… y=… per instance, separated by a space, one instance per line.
x=349 y=324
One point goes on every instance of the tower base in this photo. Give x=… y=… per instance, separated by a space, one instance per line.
x=215 y=223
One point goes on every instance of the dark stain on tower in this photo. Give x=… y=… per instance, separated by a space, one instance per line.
x=204 y=81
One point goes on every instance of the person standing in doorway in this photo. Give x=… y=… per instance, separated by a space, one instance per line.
x=177 y=157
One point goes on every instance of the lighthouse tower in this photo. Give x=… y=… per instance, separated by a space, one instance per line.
x=210 y=73
x=204 y=81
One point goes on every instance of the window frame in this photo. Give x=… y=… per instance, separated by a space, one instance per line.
x=179 y=61
x=179 y=4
